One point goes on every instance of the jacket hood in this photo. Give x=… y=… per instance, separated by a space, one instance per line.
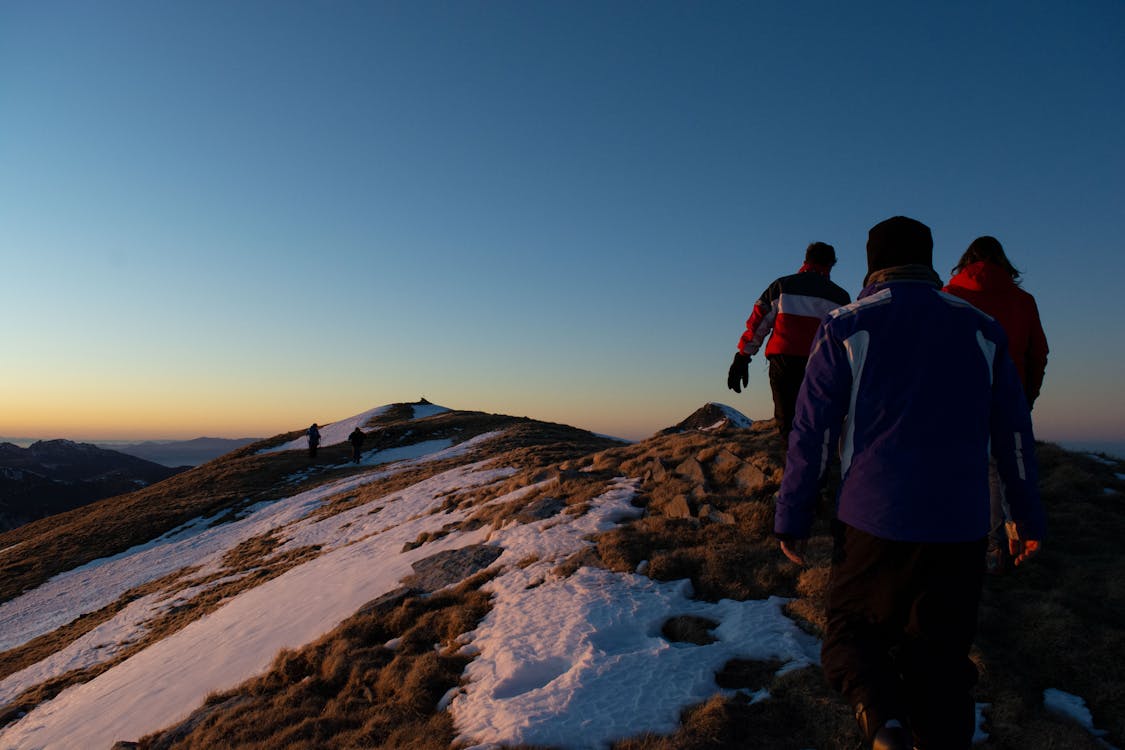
x=982 y=276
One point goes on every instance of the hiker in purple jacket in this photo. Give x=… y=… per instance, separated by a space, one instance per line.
x=916 y=388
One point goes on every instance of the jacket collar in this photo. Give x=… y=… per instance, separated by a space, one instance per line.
x=916 y=274
x=810 y=267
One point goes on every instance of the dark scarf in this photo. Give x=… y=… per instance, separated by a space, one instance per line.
x=913 y=272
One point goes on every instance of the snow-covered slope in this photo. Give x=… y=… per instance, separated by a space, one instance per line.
x=550 y=656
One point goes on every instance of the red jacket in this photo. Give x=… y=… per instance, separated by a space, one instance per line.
x=989 y=288
x=792 y=307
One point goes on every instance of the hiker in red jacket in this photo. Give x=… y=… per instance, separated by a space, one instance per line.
x=986 y=278
x=792 y=308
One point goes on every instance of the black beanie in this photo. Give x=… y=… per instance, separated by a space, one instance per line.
x=821 y=253
x=899 y=241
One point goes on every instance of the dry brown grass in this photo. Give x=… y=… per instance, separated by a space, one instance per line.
x=1060 y=620
x=801 y=712
x=349 y=690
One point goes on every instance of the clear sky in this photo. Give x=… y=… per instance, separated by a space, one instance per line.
x=236 y=218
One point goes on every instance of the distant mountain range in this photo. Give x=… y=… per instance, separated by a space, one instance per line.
x=182 y=452
x=52 y=476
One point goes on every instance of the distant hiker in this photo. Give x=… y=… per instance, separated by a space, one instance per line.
x=314 y=440
x=356 y=439
x=792 y=308
x=917 y=384
x=985 y=277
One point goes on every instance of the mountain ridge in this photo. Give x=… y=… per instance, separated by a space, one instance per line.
x=51 y=476
x=177 y=453
x=685 y=522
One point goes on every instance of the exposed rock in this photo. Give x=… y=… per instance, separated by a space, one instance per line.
x=691 y=469
x=715 y=515
x=541 y=509
x=677 y=507
x=452 y=566
x=724 y=466
x=386 y=602
x=750 y=478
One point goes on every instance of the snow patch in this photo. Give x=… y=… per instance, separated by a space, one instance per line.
x=577 y=662
x=1074 y=708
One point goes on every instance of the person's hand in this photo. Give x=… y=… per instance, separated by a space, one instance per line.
x=1023 y=549
x=795 y=550
x=739 y=372
x=1019 y=546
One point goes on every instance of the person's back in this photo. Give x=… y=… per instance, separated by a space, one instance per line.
x=986 y=278
x=918 y=428
x=789 y=312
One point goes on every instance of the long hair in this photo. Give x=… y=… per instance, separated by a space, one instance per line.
x=988 y=249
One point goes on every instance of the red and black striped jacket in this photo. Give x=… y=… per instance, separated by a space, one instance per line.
x=792 y=307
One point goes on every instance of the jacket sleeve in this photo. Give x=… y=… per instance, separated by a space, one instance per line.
x=760 y=323
x=821 y=407
x=1036 y=364
x=1013 y=446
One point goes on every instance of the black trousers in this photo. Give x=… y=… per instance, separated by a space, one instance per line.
x=901 y=619
x=786 y=373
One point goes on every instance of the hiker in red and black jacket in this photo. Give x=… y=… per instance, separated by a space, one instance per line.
x=792 y=308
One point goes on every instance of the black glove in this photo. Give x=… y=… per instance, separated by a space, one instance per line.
x=739 y=370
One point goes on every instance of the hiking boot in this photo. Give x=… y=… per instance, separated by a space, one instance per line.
x=890 y=735
x=892 y=738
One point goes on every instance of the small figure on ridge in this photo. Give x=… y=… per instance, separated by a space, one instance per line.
x=356 y=439
x=314 y=439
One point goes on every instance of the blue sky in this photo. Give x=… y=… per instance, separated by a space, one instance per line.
x=235 y=218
